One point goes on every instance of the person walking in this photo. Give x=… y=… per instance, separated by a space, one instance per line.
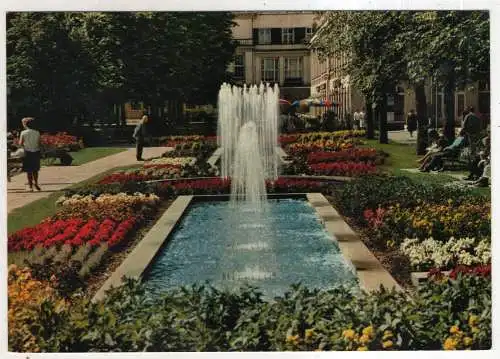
x=362 y=119
x=411 y=122
x=356 y=118
x=29 y=139
x=140 y=134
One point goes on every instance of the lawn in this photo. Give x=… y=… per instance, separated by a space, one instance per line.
x=87 y=155
x=36 y=211
x=402 y=156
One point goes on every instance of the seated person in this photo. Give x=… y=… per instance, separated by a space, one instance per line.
x=439 y=142
x=484 y=179
x=435 y=161
x=475 y=170
x=16 y=152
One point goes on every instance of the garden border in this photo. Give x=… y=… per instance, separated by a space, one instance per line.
x=371 y=274
x=138 y=260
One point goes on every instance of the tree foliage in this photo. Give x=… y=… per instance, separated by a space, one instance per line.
x=387 y=47
x=61 y=65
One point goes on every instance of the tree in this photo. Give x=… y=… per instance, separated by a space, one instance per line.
x=452 y=47
x=374 y=61
x=49 y=73
x=63 y=64
x=385 y=48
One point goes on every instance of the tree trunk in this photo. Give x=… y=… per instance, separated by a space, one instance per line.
x=382 y=110
x=449 y=104
x=421 y=106
x=370 y=130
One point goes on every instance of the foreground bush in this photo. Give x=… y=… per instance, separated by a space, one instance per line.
x=457 y=315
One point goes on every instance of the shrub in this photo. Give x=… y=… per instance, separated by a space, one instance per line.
x=374 y=191
x=205 y=319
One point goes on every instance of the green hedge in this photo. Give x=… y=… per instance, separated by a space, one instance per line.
x=371 y=192
x=451 y=313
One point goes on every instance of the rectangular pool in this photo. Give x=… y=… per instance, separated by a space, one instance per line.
x=229 y=247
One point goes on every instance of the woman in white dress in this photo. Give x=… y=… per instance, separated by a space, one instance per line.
x=30 y=141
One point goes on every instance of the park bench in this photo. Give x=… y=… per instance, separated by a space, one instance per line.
x=457 y=161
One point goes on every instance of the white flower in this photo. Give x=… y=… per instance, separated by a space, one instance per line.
x=429 y=252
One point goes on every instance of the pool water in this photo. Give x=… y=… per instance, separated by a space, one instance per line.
x=234 y=246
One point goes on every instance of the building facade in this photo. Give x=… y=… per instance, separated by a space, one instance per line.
x=330 y=82
x=273 y=48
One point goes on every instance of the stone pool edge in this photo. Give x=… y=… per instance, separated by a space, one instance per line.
x=370 y=272
x=141 y=256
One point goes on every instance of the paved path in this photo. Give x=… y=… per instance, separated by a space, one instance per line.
x=56 y=178
x=403 y=137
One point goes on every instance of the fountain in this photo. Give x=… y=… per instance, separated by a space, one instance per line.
x=247 y=179
x=248 y=136
x=250 y=239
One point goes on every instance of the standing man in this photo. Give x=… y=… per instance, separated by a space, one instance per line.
x=411 y=122
x=140 y=134
x=472 y=127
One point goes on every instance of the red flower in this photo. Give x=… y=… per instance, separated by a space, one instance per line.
x=343 y=168
x=352 y=154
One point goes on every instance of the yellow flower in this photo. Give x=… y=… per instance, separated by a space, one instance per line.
x=450 y=344
x=364 y=339
x=292 y=338
x=387 y=334
x=368 y=331
x=454 y=329
x=309 y=333
x=348 y=334
x=387 y=344
x=362 y=349
x=473 y=319
x=467 y=341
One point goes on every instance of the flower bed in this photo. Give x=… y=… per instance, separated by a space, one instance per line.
x=429 y=253
x=72 y=232
x=440 y=221
x=319 y=136
x=347 y=169
x=60 y=141
x=178 y=161
x=147 y=173
x=457 y=315
x=351 y=155
x=173 y=141
x=117 y=207
x=25 y=297
x=301 y=149
x=431 y=225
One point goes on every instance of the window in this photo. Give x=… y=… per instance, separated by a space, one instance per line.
x=239 y=66
x=264 y=36
x=270 y=69
x=309 y=33
x=287 y=35
x=293 y=68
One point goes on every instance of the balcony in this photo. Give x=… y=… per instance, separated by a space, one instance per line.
x=297 y=45
x=244 y=42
